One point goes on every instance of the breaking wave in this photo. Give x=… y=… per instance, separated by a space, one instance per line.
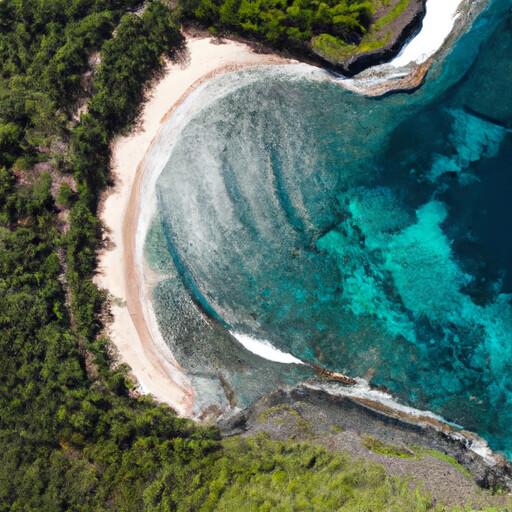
x=369 y=237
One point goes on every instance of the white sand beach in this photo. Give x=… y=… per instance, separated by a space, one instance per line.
x=151 y=362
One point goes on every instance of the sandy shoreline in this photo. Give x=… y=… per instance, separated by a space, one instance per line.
x=133 y=329
x=152 y=364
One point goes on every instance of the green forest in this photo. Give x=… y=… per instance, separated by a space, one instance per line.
x=72 y=438
x=335 y=30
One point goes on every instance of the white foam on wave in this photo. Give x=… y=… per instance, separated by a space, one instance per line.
x=478 y=446
x=153 y=164
x=363 y=390
x=210 y=92
x=202 y=97
x=264 y=349
x=160 y=153
x=437 y=25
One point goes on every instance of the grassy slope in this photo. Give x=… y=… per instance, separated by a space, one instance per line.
x=377 y=36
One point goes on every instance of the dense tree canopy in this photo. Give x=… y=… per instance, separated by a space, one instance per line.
x=285 y=22
x=335 y=30
x=71 y=436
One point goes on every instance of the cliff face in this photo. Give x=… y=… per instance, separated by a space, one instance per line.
x=429 y=451
x=387 y=35
x=385 y=78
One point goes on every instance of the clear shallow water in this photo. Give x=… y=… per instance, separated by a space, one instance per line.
x=368 y=236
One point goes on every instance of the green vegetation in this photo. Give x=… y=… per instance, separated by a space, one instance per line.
x=331 y=48
x=282 y=22
x=260 y=475
x=282 y=414
x=128 y=61
x=71 y=437
x=389 y=450
x=424 y=452
x=417 y=452
x=65 y=195
x=334 y=29
x=379 y=34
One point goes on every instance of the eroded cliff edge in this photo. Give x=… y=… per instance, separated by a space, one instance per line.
x=389 y=38
x=452 y=464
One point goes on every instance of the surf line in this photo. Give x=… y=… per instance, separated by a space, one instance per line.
x=266 y=350
x=376 y=398
x=261 y=348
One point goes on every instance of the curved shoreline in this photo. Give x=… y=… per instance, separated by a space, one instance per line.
x=151 y=363
x=133 y=330
x=408 y=70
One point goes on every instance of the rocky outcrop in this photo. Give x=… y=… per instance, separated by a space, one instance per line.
x=307 y=412
x=383 y=77
x=398 y=34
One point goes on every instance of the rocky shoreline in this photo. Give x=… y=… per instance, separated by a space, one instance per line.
x=374 y=73
x=384 y=77
x=403 y=30
x=347 y=423
x=398 y=34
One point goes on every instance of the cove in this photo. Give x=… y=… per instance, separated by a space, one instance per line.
x=366 y=236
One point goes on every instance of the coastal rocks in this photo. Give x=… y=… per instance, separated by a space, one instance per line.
x=370 y=429
x=394 y=36
x=407 y=71
x=380 y=82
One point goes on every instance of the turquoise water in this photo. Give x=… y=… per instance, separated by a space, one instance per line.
x=369 y=236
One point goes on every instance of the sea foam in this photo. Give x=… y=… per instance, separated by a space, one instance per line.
x=265 y=349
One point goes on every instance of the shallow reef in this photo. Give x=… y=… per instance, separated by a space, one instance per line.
x=366 y=236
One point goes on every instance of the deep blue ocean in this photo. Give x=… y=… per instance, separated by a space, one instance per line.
x=368 y=236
